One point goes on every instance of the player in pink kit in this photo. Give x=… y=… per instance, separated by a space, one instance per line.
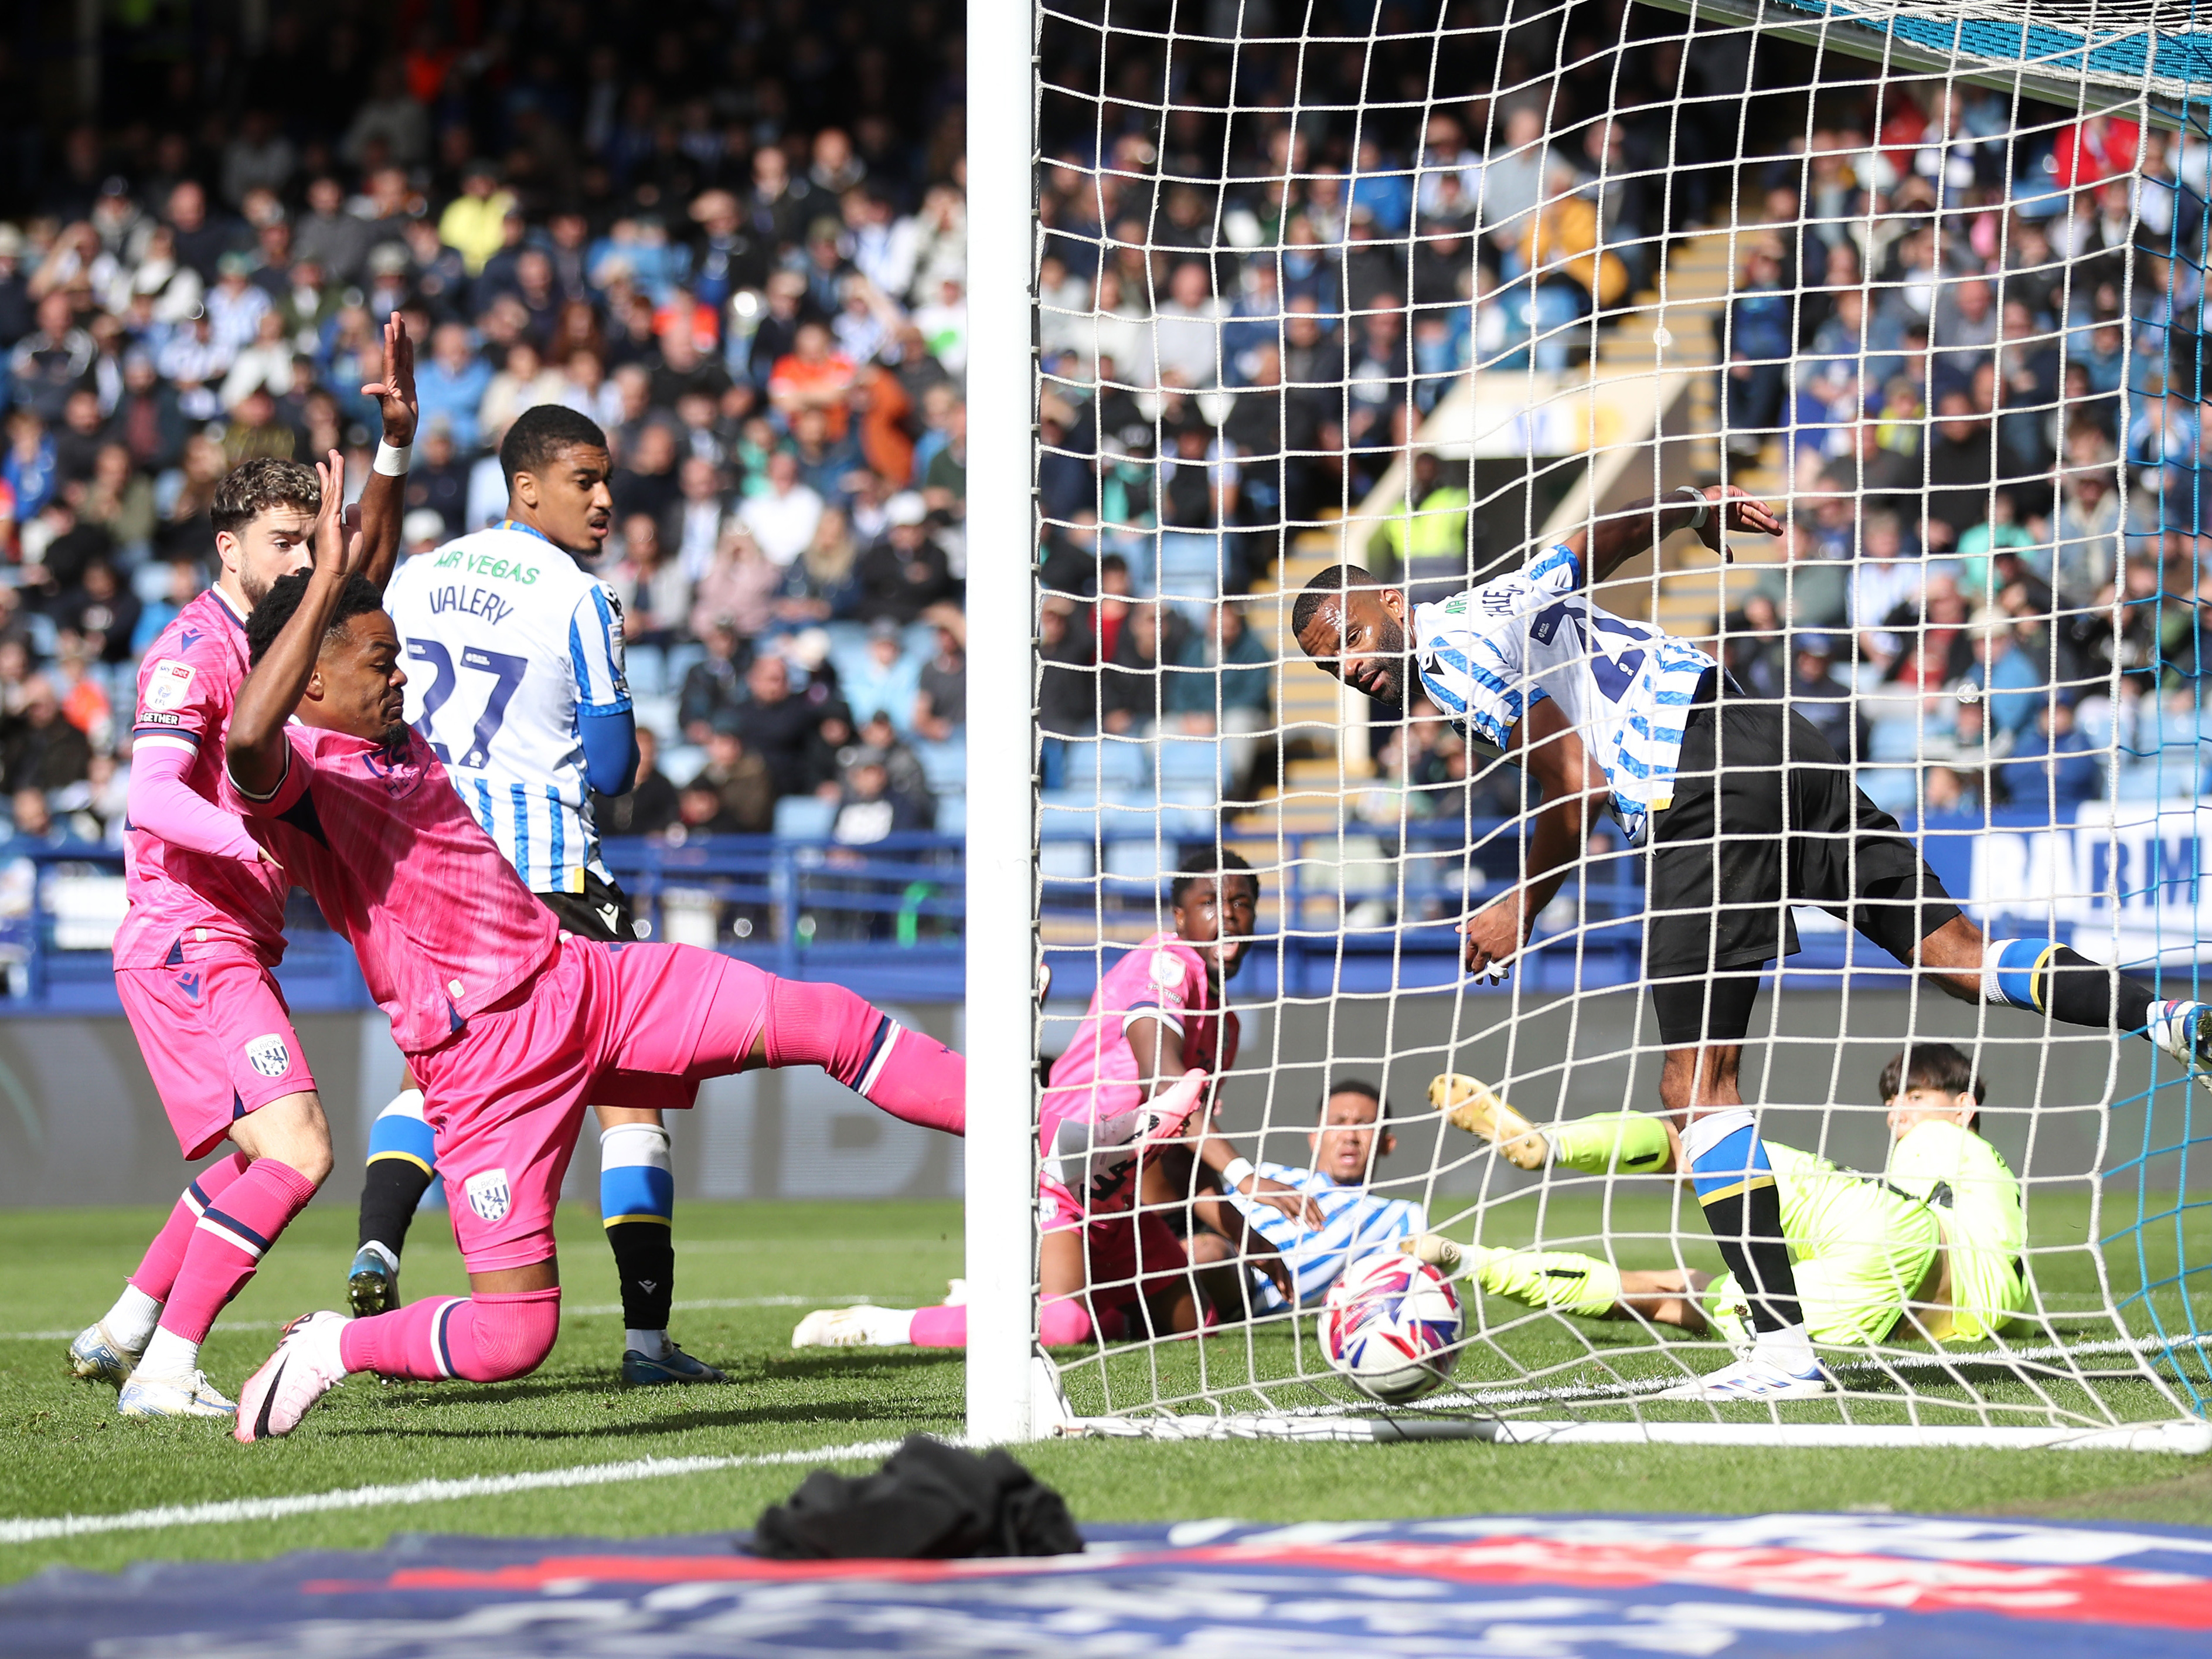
x=510 y=1025
x=204 y=930
x=1115 y=1120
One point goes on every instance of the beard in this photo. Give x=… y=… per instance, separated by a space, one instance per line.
x=253 y=586
x=1398 y=664
x=395 y=735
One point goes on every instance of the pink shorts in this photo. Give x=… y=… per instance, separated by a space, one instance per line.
x=218 y=1040
x=604 y=1024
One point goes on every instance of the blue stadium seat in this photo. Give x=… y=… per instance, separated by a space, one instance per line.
x=680 y=763
x=952 y=815
x=944 y=764
x=1190 y=763
x=805 y=818
x=1124 y=765
x=1140 y=861
x=657 y=714
x=1065 y=860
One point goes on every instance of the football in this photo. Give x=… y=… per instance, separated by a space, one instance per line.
x=1392 y=1326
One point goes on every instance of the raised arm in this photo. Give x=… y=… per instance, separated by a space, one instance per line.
x=255 y=748
x=1574 y=791
x=384 y=497
x=1603 y=547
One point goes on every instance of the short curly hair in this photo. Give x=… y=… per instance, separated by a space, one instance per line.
x=251 y=488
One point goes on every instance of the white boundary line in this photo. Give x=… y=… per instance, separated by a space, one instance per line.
x=36 y=1530
x=590 y=1310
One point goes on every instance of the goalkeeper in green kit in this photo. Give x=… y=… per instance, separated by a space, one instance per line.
x=1931 y=1249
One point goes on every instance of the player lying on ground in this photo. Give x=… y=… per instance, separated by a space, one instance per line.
x=524 y=698
x=511 y=1024
x=1931 y=1249
x=204 y=930
x=1745 y=810
x=1347 y=1142
x=1116 y=1112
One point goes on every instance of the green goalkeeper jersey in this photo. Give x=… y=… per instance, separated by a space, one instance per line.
x=1860 y=1245
x=1977 y=1196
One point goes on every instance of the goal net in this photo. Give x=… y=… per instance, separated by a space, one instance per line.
x=1428 y=290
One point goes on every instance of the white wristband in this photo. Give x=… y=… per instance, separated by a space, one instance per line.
x=1236 y=1172
x=391 y=462
x=1692 y=494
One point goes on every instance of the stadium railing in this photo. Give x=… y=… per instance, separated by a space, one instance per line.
x=887 y=919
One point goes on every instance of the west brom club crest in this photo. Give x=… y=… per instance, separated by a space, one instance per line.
x=269 y=1055
x=488 y=1194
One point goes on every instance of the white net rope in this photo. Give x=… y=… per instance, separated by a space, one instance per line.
x=1430 y=291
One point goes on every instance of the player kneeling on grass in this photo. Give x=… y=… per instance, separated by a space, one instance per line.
x=1119 y=1112
x=1347 y=1142
x=1931 y=1249
x=511 y=1025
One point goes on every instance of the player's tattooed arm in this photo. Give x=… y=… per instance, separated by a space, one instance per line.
x=1603 y=547
x=384 y=497
x=1574 y=791
x=255 y=748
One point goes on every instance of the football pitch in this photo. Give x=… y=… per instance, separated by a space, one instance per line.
x=746 y=1273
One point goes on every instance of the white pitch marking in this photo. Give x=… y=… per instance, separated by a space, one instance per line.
x=585 y=1312
x=37 y=1529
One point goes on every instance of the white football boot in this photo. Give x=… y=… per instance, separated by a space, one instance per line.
x=97 y=1357
x=1751 y=1379
x=855 y=1327
x=305 y=1367
x=189 y=1395
x=2184 y=1030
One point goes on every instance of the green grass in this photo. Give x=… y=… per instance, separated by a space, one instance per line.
x=63 y=1450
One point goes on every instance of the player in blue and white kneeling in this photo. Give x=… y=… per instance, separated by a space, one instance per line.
x=1351 y=1137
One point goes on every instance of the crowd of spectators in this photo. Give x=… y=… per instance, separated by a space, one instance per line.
x=732 y=234
x=1976 y=339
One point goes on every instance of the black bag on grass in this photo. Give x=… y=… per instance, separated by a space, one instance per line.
x=929 y=1500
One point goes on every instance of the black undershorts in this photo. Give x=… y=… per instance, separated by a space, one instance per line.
x=601 y=911
x=1764 y=816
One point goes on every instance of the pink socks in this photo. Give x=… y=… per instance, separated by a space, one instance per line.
x=913 y=1077
x=478 y=1339
x=1062 y=1323
x=157 y=1272
x=228 y=1243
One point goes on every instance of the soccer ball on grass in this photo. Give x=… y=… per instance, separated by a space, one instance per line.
x=1391 y=1324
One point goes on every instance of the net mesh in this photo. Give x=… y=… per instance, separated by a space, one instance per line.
x=1430 y=290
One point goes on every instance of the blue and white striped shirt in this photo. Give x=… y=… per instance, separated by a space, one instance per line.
x=508 y=644
x=1487 y=655
x=1355 y=1224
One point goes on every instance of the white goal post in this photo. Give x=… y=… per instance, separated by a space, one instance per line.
x=2000 y=197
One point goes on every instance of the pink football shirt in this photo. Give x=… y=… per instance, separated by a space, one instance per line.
x=442 y=925
x=1095 y=1083
x=180 y=898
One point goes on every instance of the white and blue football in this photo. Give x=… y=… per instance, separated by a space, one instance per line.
x=1392 y=1324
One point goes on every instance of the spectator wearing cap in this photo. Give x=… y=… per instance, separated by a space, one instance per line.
x=868 y=808
x=783 y=516
x=905 y=571
x=451 y=385
x=884 y=676
x=474 y=223
x=1820 y=697
x=422 y=531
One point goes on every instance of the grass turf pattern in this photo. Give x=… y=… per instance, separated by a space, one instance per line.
x=63 y=1450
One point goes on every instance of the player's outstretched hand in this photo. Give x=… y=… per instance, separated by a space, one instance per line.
x=395 y=392
x=1288 y=1199
x=1740 y=510
x=1278 y=1272
x=338 y=527
x=1491 y=938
